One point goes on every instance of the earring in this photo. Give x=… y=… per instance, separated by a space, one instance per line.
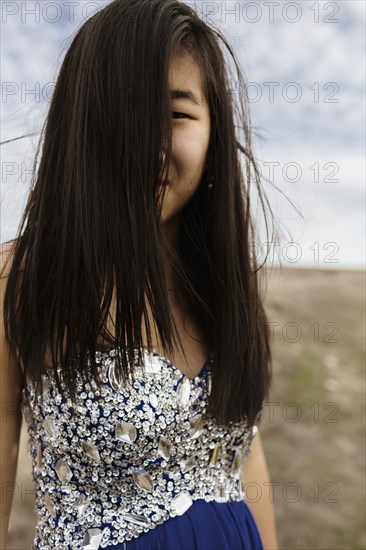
x=211 y=182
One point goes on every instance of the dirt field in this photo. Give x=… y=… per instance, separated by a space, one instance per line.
x=314 y=423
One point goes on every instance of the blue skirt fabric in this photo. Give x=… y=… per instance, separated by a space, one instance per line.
x=204 y=526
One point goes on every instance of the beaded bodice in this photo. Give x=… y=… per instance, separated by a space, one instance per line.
x=121 y=462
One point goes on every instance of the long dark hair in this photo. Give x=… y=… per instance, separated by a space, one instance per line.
x=91 y=224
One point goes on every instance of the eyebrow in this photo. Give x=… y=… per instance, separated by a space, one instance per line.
x=184 y=94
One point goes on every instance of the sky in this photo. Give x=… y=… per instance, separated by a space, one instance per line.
x=304 y=67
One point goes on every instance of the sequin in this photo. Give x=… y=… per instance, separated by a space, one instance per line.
x=125 y=431
x=122 y=460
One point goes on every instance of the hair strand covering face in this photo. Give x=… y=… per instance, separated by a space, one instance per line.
x=91 y=224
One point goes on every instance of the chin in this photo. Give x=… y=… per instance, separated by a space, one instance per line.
x=170 y=215
x=166 y=216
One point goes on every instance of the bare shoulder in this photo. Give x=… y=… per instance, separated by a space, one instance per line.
x=11 y=385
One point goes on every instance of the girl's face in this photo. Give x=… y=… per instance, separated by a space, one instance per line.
x=191 y=128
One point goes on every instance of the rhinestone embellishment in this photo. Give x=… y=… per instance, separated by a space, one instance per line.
x=122 y=460
x=49 y=505
x=81 y=505
x=39 y=456
x=136 y=519
x=165 y=447
x=143 y=479
x=215 y=454
x=153 y=398
x=152 y=364
x=181 y=503
x=50 y=428
x=91 y=451
x=92 y=539
x=183 y=392
x=237 y=463
x=197 y=425
x=125 y=431
x=187 y=464
x=63 y=471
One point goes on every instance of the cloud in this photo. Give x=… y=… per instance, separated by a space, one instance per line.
x=320 y=57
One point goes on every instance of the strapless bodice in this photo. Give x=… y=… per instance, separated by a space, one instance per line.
x=122 y=461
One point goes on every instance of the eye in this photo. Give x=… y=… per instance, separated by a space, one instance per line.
x=183 y=114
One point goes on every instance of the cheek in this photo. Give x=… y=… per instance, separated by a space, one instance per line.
x=189 y=153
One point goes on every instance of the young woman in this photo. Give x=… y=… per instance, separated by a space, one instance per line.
x=135 y=247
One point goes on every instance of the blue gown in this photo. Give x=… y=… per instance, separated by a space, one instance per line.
x=204 y=526
x=137 y=467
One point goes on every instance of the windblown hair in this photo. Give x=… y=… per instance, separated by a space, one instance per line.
x=91 y=224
